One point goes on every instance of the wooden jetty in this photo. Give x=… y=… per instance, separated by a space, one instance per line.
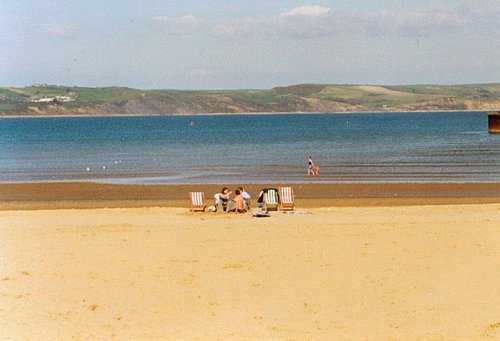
x=494 y=122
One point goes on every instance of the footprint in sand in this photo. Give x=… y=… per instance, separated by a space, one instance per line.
x=188 y=279
x=233 y=266
x=20 y=296
x=493 y=331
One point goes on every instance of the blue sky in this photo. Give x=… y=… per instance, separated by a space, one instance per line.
x=248 y=44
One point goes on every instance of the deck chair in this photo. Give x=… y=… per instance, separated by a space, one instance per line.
x=197 y=201
x=287 y=198
x=269 y=199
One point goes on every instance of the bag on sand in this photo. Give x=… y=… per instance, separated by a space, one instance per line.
x=231 y=206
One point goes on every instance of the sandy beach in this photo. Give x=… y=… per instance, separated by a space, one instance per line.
x=97 y=195
x=421 y=265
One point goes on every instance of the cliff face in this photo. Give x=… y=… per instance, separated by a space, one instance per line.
x=54 y=100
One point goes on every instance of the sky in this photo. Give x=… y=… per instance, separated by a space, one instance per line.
x=235 y=44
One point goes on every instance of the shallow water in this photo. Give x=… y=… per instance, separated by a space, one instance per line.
x=384 y=147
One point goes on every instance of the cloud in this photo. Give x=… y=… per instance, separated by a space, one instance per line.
x=304 y=22
x=312 y=11
x=201 y=73
x=481 y=6
x=312 y=22
x=187 y=24
x=485 y=14
x=416 y=23
x=300 y=22
x=239 y=27
x=309 y=22
x=62 y=32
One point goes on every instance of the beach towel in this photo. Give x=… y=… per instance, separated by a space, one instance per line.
x=261 y=214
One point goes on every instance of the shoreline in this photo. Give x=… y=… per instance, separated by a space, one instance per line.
x=32 y=196
x=243 y=113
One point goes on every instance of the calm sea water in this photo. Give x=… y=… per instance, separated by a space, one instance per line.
x=385 y=147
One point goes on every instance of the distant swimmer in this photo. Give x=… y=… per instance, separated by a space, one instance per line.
x=191 y=124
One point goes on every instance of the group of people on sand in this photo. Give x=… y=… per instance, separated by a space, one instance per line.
x=240 y=203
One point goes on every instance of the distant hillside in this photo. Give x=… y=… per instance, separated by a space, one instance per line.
x=62 y=100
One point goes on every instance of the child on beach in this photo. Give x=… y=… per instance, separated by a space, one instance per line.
x=221 y=199
x=240 y=202
x=245 y=196
x=237 y=204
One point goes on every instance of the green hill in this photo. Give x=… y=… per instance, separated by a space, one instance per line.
x=63 y=100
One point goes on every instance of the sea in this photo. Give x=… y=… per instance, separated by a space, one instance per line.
x=253 y=148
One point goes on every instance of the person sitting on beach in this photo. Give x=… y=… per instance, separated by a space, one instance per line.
x=246 y=197
x=237 y=204
x=221 y=199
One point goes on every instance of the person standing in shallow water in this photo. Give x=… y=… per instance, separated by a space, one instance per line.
x=310 y=166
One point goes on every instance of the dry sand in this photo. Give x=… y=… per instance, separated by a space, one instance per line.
x=339 y=273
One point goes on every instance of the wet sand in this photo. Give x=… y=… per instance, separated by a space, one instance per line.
x=94 y=195
x=353 y=262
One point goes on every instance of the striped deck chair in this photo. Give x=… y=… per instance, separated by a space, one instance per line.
x=287 y=198
x=271 y=200
x=197 y=201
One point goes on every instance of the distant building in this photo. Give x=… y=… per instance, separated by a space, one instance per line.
x=43 y=100
x=64 y=98
x=52 y=99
